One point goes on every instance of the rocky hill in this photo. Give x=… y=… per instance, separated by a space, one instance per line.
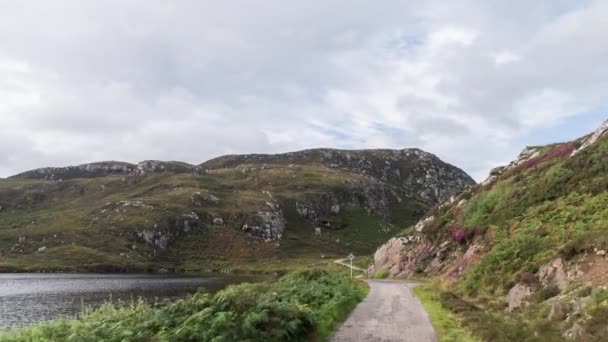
x=524 y=250
x=230 y=211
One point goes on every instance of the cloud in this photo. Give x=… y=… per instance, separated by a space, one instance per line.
x=190 y=80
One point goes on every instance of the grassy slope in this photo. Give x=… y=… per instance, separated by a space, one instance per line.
x=81 y=220
x=550 y=206
x=446 y=325
x=305 y=305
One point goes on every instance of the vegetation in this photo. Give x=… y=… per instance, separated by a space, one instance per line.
x=552 y=205
x=300 y=306
x=92 y=224
x=382 y=273
x=447 y=326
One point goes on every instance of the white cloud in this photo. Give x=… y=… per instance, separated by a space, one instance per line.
x=452 y=35
x=505 y=57
x=84 y=81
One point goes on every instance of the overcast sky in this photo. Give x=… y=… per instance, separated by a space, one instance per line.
x=471 y=81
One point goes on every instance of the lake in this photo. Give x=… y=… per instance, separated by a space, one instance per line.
x=29 y=298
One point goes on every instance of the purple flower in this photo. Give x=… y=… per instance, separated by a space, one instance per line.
x=459 y=234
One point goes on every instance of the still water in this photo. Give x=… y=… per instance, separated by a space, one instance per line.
x=29 y=298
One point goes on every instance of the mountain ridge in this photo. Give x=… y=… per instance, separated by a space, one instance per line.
x=231 y=210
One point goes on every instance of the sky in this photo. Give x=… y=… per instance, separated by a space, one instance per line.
x=472 y=81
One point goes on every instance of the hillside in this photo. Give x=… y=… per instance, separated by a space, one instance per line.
x=230 y=212
x=521 y=256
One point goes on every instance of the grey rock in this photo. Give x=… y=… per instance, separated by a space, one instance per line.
x=559 y=311
x=269 y=224
x=517 y=295
x=42 y=249
x=576 y=333
x=420 y=225
x=160 y=238
x=553 y=273
x=600 y=132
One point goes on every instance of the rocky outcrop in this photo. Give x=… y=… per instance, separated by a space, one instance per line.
x=412 y=171
x=81 y=171
x=524 y=156
x=160 y=238
x=590 y=140
x=517 y=295
x=199 y=199
x=267 y=224
x=576 y=333
x=553 y=273
x=559 y=311
x=157 y=166
x=389 y=257
x=107 y=168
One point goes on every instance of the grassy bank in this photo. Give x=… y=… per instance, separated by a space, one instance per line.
x=458 y=319
x=446 y=325
x=301 y=306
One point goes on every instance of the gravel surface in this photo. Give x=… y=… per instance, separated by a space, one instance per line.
x=391 y=312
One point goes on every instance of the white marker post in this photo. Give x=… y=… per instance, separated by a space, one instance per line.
x=351 y=257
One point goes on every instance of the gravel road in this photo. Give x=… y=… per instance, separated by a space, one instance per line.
x=390 y=313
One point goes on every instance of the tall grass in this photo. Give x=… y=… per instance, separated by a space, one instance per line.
x=300 y=306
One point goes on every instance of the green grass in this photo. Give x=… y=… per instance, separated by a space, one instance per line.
x=301 y=306
x=382 y=273
x=446 y=325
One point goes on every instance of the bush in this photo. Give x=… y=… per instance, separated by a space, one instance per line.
x=546 y=292
x=496 y=270
x=382 y=273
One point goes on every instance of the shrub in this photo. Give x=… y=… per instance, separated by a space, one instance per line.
x=382 y=273
x=499 y=266
x=546 y=292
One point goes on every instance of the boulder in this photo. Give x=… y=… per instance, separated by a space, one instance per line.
x=517 y=295
x=553 y=273
x=388 y=256
x=559 y=311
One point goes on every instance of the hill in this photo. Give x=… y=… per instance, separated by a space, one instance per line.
x=258 y=211
x=522 y=255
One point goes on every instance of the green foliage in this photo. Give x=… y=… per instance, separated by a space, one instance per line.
x=382 y=273
x=546 y=292
x=495 y=271
x=551 y=206
x=480 y=207
x=490 y=326
x=297 y=307
x=445 y=322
